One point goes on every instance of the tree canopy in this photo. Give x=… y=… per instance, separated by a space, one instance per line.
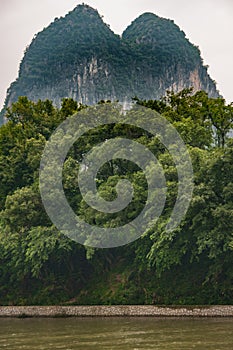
x=191 y=264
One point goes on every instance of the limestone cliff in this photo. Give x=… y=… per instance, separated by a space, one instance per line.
x=79 y=56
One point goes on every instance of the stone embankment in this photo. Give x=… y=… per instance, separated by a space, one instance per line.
x=114 y=311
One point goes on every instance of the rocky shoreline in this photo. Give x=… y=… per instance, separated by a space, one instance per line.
x=117 y=311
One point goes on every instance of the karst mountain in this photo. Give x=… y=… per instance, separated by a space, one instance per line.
x=79 y=56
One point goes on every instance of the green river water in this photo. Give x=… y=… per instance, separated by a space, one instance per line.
x=116 y=333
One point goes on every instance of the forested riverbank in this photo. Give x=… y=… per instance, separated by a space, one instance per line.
x=190 y=265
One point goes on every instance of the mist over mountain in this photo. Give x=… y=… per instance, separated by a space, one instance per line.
x=79 y=56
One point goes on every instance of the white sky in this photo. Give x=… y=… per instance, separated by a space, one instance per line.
x=207 y=23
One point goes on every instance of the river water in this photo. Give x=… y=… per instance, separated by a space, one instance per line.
x=116 y=333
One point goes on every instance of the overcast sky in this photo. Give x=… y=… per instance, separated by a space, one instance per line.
x=207 y=23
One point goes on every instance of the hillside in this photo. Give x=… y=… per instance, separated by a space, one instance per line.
x=191 y=264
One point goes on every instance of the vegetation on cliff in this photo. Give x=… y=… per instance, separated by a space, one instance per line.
x=78 y=56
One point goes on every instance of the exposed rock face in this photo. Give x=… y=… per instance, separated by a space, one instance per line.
x=79 y=56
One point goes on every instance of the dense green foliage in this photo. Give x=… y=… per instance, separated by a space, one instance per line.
x=163 y=40
x=191 y=265
x=80 y=57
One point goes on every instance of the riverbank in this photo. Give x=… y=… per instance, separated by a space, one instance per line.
x=117 y=310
